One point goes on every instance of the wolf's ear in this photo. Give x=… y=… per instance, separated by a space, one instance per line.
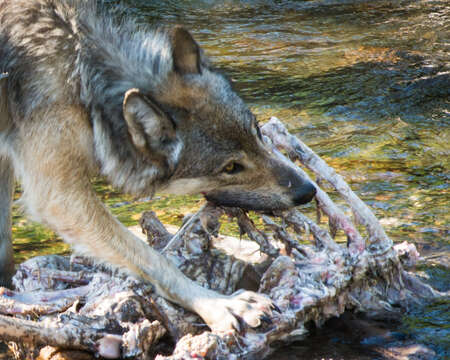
x=148 y=126
x=185 y=52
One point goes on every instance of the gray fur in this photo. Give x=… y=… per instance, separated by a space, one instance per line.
x=6 y=192
x=73 y=52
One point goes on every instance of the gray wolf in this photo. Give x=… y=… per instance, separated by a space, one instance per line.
x=88 y=95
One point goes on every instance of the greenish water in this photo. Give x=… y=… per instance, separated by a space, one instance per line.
x=366 y=84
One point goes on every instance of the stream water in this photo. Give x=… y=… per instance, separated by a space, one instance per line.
x=366 y=84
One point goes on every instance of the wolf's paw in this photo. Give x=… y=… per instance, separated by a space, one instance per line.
x=237 y=311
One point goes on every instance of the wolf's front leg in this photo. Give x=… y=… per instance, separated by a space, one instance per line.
x=57 y=191
x=71 y=208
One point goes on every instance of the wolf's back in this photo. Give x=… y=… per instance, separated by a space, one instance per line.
x=75 y=52
x=38 y=41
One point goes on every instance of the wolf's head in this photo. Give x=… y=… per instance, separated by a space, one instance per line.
x=197 y=123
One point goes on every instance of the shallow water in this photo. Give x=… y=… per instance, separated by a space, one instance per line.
x=366 y=84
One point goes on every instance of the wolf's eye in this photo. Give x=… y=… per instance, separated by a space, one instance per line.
x=233 y=168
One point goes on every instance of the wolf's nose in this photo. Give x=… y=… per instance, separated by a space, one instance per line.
x=304 y=194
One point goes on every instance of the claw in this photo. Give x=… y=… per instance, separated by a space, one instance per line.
x=266 y=319
x=237 y=327
x=276 y=308
x=242 y=325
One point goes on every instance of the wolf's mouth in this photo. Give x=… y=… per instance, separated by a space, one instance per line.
x=260 y=201
x=248 y=200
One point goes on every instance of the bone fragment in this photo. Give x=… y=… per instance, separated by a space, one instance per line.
x=281 y=138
